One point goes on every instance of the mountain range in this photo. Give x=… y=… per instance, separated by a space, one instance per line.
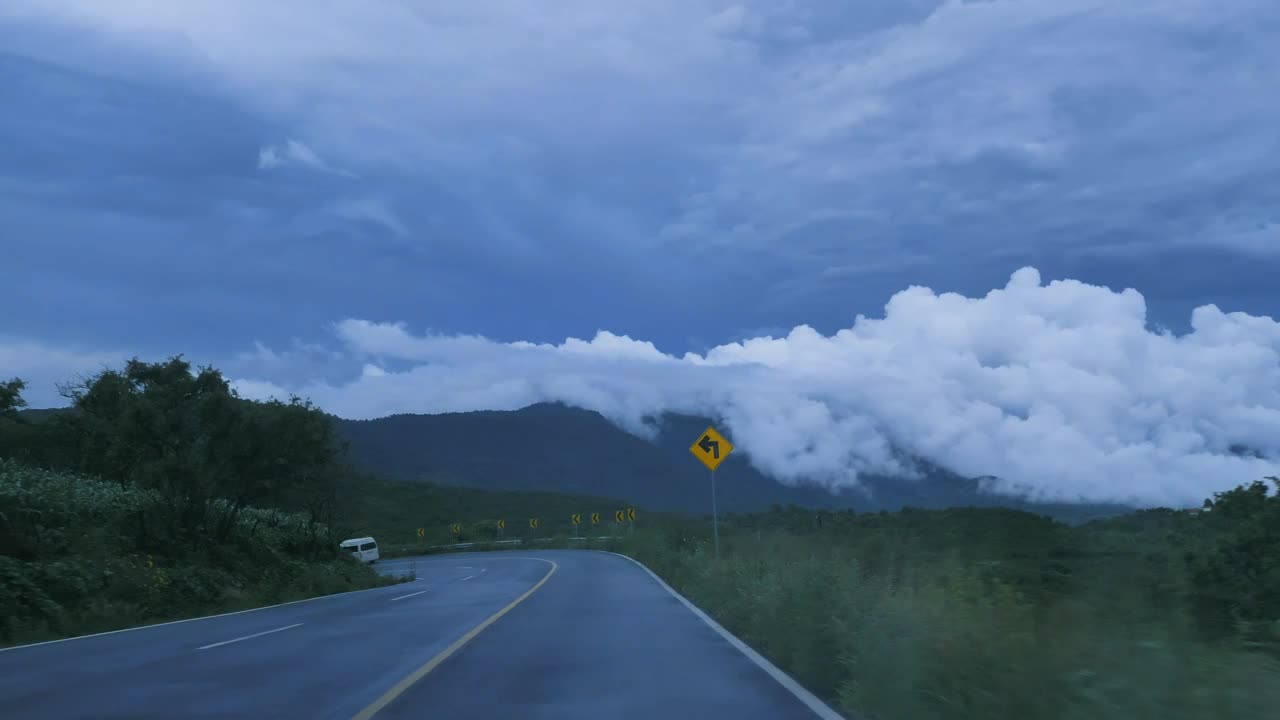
x=550 y=446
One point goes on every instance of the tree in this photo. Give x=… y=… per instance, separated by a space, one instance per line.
x=11 y=398
x=186 y=434
x=1237 y=582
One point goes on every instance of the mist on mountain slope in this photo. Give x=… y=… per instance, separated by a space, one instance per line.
x=1059 y=391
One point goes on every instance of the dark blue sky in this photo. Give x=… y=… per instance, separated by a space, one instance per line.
x=209 y=176
x=676 y=205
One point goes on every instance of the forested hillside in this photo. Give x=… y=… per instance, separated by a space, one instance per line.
x=563 y=449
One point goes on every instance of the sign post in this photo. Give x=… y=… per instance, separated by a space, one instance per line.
x=711 y=448
x=502 y=525
x=577 y=520
x=715 y=517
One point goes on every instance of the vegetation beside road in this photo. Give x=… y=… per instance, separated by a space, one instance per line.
x=985 y=613
x=392 y=511
x=160 y=496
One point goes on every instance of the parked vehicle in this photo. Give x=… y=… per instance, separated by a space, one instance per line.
x=364 y=549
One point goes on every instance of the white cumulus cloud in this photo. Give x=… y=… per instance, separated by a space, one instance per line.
x=1060 y=390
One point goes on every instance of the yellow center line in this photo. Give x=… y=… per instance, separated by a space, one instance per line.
x=433 y=663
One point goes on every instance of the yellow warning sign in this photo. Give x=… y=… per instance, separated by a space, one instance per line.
x=577 y=518
x=502 y=524
x=457 y=528
x=533 y=522
x=711 y=448
x=619 y=515
x=422 y=532
x=631 y=514
x=595 y=518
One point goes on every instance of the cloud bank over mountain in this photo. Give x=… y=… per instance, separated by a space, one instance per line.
x=1061 y=390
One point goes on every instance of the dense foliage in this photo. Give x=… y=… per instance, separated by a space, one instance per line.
x=162 y=494
x=982 y=613
x=393 y=511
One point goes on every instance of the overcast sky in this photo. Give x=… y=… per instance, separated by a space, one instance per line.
x=417 y=206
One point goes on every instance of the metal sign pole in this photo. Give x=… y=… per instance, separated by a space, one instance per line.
x=711 y=449
x=715 y=523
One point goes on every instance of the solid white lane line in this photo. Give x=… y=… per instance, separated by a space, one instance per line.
x=466 y=578
x=407 y=596
x=819 y=708
x=194 y=619
x=248 y=637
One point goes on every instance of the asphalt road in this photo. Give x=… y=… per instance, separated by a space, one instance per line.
x=531 y=635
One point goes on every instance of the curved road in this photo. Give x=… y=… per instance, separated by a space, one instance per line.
x=529 y=635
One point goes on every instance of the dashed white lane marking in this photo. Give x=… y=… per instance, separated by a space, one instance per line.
x=250 y=637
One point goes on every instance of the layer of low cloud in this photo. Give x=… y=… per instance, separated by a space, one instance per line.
x=1059 y=389
x=805 y=145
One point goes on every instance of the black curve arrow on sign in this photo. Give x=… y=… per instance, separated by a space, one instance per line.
x=708 y=446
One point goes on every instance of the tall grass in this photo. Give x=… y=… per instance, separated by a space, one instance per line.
x=900 y=632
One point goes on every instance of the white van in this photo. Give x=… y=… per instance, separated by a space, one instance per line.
x=364 y=549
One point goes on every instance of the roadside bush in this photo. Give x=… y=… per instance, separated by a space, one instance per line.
x=76 y=558
x=905 y=616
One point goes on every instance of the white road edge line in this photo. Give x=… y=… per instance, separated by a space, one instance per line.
x=249 y=637
x=466 y=578
x=407 y=596
x=187 y=620
x=820 y=708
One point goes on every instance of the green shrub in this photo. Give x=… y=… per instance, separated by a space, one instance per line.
x=77 y=558
x=980 y=614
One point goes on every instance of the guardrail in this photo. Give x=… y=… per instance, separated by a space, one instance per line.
x=396 y=551
x=457 y=546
